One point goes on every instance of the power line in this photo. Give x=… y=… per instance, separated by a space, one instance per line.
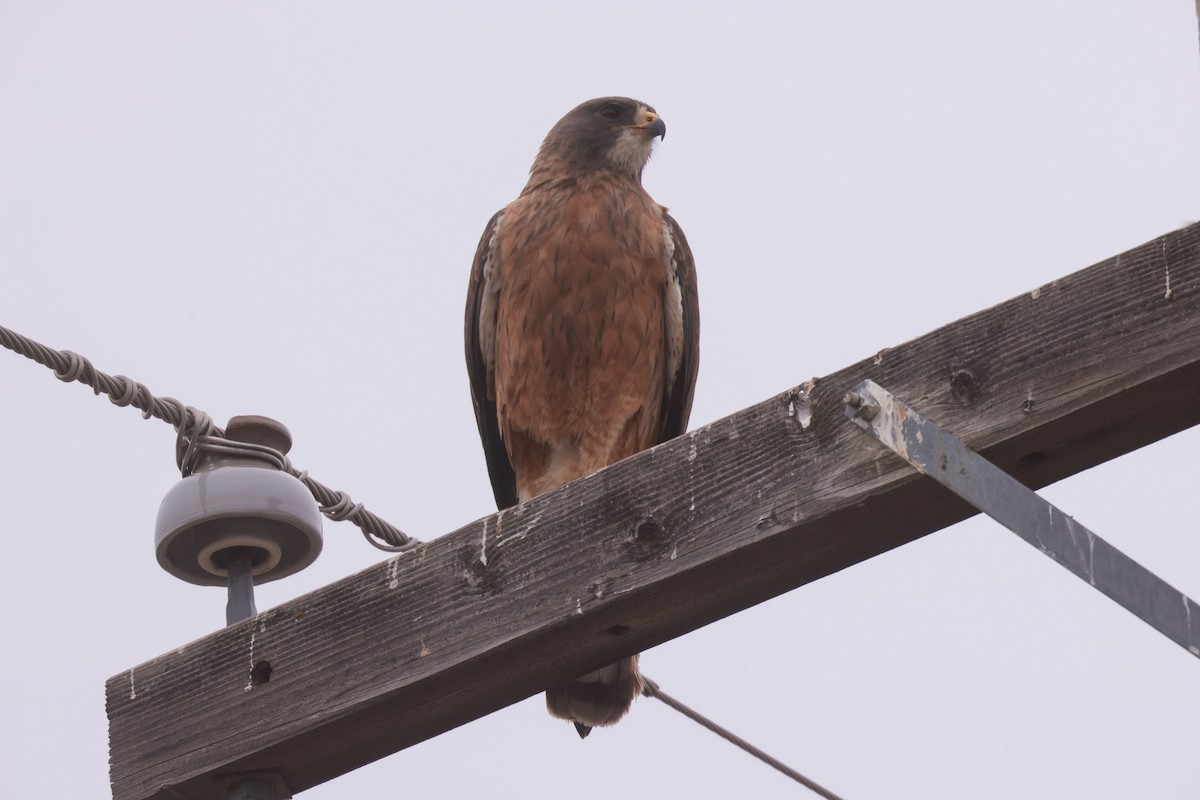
x=196 y=433
x=651 y=689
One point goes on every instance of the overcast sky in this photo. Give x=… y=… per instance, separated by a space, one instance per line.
x=272 y=207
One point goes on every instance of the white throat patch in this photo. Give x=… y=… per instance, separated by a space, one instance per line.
x=632 y=149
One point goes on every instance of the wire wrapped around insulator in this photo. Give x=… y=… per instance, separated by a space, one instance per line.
x=196 y=433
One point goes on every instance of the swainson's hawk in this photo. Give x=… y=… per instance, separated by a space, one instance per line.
x=582 y=332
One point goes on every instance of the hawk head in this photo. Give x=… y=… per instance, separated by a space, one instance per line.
x=611 y=134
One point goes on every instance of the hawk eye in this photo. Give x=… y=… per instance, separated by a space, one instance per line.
x=610 y=111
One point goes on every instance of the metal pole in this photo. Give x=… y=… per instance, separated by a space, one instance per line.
x=240 y=605
x=253 y=790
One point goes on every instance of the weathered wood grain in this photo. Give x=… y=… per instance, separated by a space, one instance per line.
x=1046 y=385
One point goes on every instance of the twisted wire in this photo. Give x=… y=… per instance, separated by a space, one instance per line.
x=197 y=434
x=651 y=689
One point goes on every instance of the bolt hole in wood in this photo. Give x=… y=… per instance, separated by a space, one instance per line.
x=260 y=673
x=650 y=540
x=618 y=630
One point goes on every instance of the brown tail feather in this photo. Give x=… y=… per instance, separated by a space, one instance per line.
x=597 y=699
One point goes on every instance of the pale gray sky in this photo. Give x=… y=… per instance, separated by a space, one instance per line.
x=272 y=207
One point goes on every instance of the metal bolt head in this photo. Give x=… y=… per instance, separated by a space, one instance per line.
x=863 y=408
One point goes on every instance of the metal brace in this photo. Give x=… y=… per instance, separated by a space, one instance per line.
x=943 y=457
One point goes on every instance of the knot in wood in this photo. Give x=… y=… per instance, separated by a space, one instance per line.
x=964 y=386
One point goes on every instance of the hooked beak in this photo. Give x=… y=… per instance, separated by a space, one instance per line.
x=652 y=125
x=657 y=128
